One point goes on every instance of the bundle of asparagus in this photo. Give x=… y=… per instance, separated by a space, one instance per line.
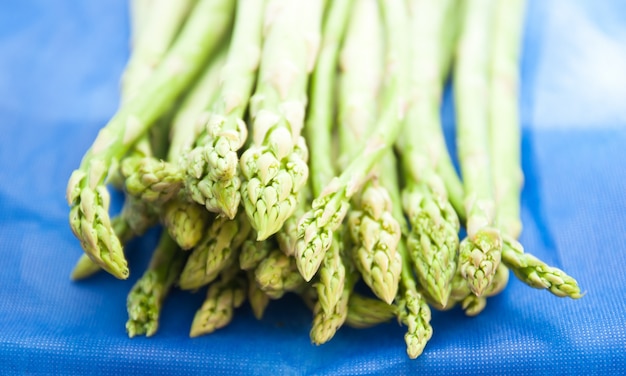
x=292 y=208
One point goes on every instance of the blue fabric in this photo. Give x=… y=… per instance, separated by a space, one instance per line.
x=60 y=63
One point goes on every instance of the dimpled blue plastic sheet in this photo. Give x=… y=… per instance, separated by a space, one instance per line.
x=60 y=64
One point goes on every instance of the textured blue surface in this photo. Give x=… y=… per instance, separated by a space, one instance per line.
x=60 y=62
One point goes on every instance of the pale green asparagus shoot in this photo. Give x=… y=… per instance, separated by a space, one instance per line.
x=146 y=298
x=274 y=166
x=212 y=166
x=331 y=206
x=480 y=252
x=87 y=193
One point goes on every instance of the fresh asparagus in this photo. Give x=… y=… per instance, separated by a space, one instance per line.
x=223 y=296
x=277 y=274
x=536 y=273
x=365 y=312
x=253 y=252
x=212 y=167
x=87 y=193
x=376 y=234
x=136 y=216
x=505 y=153
x=413 y=310
x=274 y=166
x=504 y=120
x=326 y=323
x=480 y=252
x=257 y=298
x=330 y=285
x=147 y=295
x=433 y=240
x=331 y=206
x=217 y=250
x=155 y=27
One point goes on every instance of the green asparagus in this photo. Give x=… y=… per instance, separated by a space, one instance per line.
x=147 y=295
x=212 y=167
x=274 y=166
x=87 y=193
x=331 y=206
x=480 y=252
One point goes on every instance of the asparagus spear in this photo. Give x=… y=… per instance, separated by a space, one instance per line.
x=504 y=122
x=257 y=298
x=274 y=166
x=318 y=128
x=136 y=217
x=223 y=296
x=433 y=240
x=536 y=273
x=471 y=304
x=505 y=154
x=212 y=167
x=86 y=190
x=365 y=312
x=326 y=323
x=217 y=251
x=186 y=221
x=480 y=252
x=413 y=311
x=277 y=274
x=376 y=234
x=146 y=298
x=330 y=207
x=374 y=231
x=155 y=27
x=253 y=252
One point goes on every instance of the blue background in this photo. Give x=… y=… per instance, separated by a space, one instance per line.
x=60 y=63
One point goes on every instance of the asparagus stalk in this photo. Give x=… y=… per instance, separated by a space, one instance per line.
x=318 y=128
x=135 y=219
x=471 y=304
x=136 y=215
x=155 y=27
x=223 y=296
x=433 y=240
x=505 y=154
x=330 y=207
x=257 y=298
x=253 y=252
x=186 y=221
x=376 y=234
x=365 y=312
x=536 y=273
x=274 y=166
x=216 y=252
x=480 y=252
x=212 y=167
x=504 y=121
x=146 y=298
x=332 y=276
x=277 y=274
x=326 y=323
x=413 y=311
x=86 y=193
